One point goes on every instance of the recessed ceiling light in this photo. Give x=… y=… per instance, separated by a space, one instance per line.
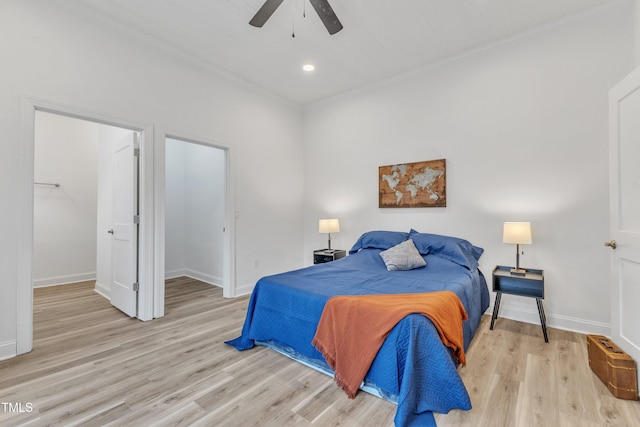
x=308 y=67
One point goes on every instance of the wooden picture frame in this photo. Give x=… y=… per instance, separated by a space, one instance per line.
x=413 y=185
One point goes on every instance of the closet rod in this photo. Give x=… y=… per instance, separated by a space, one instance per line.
x=47 y=183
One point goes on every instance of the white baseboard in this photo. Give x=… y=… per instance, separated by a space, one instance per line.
x=172 y=274
x=557 y=321
x=103 y=290
x=203 y=277
x=8 y=350
x=64 y=280
x=194 y=274
x=244 y=289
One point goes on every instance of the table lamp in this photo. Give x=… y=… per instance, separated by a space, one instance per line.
x=520 y=234
x=329 y=226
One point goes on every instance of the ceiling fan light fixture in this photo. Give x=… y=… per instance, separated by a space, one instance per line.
x=322 y=7
x=308 y=67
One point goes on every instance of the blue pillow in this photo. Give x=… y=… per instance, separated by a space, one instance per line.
x=453 y=249
x=379 y=240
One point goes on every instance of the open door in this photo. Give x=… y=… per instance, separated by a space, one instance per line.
x=624 y=152
x=125 y=219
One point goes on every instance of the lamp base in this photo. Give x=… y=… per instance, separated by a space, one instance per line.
x=329 y=251
x=518 y=272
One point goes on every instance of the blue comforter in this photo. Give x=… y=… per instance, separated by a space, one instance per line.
x=413 y=367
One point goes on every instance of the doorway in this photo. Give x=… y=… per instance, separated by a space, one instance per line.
x=151 y=229
x=194 y=199
x=194 y=211
x=24 y=296
x=78 y=198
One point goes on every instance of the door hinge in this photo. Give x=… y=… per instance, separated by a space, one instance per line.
x=136 y=287
x=136 y=219
x=136 y=152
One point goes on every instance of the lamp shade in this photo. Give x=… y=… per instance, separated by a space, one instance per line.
x=329 y=226
x=517 y=232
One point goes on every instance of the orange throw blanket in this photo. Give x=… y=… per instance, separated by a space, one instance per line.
x=353 y=328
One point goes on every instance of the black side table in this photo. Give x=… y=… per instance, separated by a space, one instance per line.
x=529 y=285
x=327 y=255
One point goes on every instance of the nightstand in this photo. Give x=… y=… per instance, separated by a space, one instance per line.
x=530 y=285
x=327 y=255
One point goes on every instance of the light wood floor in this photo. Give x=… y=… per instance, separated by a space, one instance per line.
x=93 y=366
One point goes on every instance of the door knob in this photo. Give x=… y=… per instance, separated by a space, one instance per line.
x=111 y=231
x=612 y=244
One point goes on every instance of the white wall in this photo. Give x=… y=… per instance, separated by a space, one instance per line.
x=205 y=194
x=52 y=54
x=64 y=244
x=195 y=210
x=523 y=127
x=636 y=31
x=175 y=207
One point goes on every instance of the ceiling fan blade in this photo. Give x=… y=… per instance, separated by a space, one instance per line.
x=327 y=15
x=265 y=12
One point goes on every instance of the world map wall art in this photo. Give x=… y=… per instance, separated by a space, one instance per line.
x=413 y=185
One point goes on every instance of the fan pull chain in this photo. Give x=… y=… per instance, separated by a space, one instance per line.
x=293 y=19
x=293 y=15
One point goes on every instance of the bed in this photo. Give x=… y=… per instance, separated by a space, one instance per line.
x=413 y=368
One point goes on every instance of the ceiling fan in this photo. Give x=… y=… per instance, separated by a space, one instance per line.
x=322 y=7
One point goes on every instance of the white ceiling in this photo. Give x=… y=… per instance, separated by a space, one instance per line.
x=380 y=39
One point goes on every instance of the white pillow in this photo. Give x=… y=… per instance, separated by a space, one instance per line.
x=403 y=256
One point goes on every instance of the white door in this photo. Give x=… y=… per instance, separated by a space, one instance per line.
x=124 y=255
x=624 y=170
